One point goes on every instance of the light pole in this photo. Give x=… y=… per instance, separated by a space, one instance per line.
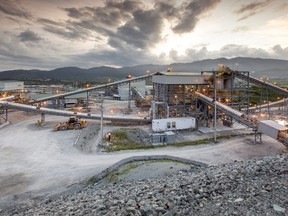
x=215 y=108
x=129 y=95
x=176 y=97
x=101 y=123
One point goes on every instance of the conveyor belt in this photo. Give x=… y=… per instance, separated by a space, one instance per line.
x=7 y=98
x=259 y=82
x=25 y=107
x=135 y=79
x=237 y=115
x=272 y=104
x=139 y=95
x=247 y=120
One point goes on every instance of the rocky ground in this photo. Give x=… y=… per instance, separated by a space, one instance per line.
x=253 y=187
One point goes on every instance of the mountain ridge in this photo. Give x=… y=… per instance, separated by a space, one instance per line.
x=273 y=68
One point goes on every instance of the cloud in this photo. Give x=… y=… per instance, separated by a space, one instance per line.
x=86 y=22
x=227 y=51
x=125 y=22
x=280 y=52
x=14 y=9
x=142 y=31
x=189 y=55
x=112 y=14
x=49 y=22
x=124 y=32
x=29 y=36
x=68 y=30
x=241 y=29
x=167 y=10
x=190 y=16
x=197 y=54
x=14 y=53
x=75 y=13
x=234 y=50
x=129 y=21
x=281 y=7
x=127 y=56
x=173 y=54
x=252 y=9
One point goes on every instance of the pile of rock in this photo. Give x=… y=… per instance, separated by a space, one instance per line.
x=255 y=187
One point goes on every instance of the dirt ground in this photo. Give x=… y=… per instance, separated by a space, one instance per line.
x=37 y=161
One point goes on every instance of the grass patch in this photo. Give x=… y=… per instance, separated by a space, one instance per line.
x=120 y=135
x=112 y=177
x=130 y=167
x=121 y=142
x=126 y=168
x=115 y=174
x=201 y=141
x=89 y=182
x=167 y=161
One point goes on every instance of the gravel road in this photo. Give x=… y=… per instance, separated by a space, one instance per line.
x=36 y=161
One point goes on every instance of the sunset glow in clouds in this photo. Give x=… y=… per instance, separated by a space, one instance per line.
x=50 y=34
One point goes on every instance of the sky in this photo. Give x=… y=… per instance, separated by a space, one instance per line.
x=41 y=34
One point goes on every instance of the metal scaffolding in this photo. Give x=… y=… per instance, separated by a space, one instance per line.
x=203 y=116
x=173 y=100
x=240 y=91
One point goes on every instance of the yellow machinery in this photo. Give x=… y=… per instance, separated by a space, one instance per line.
x=72 y=123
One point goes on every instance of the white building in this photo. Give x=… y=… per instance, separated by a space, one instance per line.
x=169 y=124
x=9 y=85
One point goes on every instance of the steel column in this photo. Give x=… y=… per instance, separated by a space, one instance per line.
x=101 y=123
x=129 y=96
x=87 y=101
x=4 y=113
x=257 y=137
x=215 y=108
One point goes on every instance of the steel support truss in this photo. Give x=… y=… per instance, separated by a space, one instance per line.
x=257 y=137
x=240 y=91
x=179 y=99
x=203 y=117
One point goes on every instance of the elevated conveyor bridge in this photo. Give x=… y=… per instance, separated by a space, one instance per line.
x=135 y=79
x=254 y=123
x=261 y=83
x=272 y=104
x=137 y=93
x=25 y=107
x=238 y=116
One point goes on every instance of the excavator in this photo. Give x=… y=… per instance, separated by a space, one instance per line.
x=72 y=123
